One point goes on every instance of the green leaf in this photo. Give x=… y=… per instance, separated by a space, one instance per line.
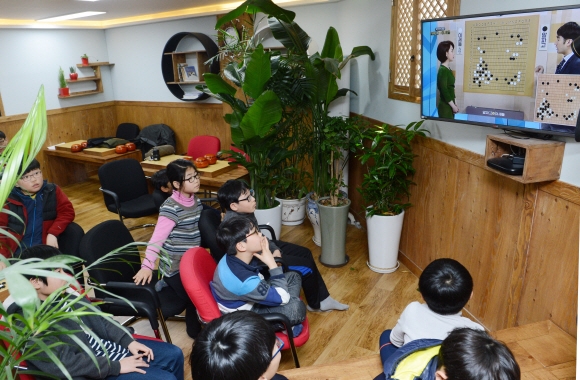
x=265 y=112
x=331 y=48
x=217 y=85
x=258 y=73
x=255 y=6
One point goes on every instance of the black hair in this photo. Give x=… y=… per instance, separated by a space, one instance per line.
x=469 y=354
x=230 y=193
x=41 y=251
x=446 y=286
x=159 y=179
x=233 y=231
x=442 y=49
x=176 y=170
x=569 y=31
x=237 y=346
x=2 y=135
x=32 y=166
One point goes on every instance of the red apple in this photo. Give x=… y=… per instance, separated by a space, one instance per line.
x=212 y=158
x=130 y=146
x=201 y=162
x=119 y=149
x=75 y=148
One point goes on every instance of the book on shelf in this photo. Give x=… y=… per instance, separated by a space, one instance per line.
x=180 y=67
x=192 y=94
x=190 y=74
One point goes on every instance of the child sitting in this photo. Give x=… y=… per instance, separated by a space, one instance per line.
x=466 y=354
x=236 y=199
x=239 y=345
x=118 y=355
x=238 y=285
x=446 y=286
x=162 y=188
x=177 y=231
x=43 y=207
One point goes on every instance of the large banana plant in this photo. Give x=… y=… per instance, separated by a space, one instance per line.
x=320 y=73
x=254 y=120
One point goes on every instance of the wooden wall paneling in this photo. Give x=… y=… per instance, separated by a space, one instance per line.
x=186 y=120
x=551 y=279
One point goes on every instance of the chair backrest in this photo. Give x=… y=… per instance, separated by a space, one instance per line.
x=125 y=178
x=104 y=238
x=127 y=131
x=202 y=145
x=209 y=221
x=200 y=267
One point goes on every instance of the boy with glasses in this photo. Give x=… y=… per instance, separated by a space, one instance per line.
x=236 y=199
x=239 y=285
x=42 y=212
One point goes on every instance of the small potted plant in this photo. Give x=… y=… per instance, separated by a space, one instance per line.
x=73 y=73
x=388 y=156
x=63 y=89
x=85 y=59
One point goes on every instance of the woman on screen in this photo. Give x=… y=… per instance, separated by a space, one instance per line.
x=446 y=81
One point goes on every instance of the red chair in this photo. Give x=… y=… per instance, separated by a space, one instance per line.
x=200 y=267
x=202 y=145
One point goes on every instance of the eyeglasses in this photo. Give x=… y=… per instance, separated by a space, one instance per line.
x=256 y=232
x=248 y=197
x=280 y=345
x=192 y=178
x=29 y=177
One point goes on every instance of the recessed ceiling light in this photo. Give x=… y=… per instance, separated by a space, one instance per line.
x=71 y=16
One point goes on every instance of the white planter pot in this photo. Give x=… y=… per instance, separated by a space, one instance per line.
x=293 y=211
x=384 y=235
x=271 y=217
x=314 y=217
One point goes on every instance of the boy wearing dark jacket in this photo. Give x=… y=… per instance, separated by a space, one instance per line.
x=43 y=207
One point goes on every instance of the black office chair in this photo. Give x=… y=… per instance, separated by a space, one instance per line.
x=116 y=276
x=69 y=242
x=127 y=131
x=125 y=190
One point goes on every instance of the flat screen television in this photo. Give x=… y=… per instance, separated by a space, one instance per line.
x=505 y=71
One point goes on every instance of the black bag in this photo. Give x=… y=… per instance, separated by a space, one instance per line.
x=97 y=141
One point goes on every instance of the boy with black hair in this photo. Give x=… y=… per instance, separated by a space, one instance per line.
x=236 y=199
x=466 y=354
x=239 y=285
x=118 y=355
x=3 y=141
x=162 y=187
x=43 y=207
x=446 y=286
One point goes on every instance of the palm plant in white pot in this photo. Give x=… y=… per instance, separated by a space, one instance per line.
x=386 y=189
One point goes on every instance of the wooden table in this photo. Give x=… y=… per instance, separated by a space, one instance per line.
x=206 y=183
x=65 y=168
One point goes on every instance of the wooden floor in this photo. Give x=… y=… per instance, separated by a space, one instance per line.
x=376 y=300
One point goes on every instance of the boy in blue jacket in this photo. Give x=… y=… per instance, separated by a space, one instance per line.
x=238 y=285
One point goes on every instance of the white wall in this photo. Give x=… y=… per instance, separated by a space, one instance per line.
x=31 y=57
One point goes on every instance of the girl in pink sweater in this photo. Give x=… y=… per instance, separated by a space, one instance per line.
x=176 y=232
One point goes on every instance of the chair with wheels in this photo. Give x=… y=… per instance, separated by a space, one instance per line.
x=127 y=131
x=201 y=145
x=201 y=267
x=116 y=276
x=125 y=190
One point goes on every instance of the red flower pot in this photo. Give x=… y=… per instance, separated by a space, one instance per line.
x=85 y=61
x=74 y=76
x=64 y=91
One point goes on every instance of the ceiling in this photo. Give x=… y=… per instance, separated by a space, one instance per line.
x=23 y=13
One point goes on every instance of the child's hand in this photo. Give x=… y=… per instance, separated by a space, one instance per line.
x=132 y=364
x=137 y=348
x=143 y=276
x=51 y=240
x=266 y=256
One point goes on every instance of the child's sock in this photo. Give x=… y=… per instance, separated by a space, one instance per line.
x=329 y=304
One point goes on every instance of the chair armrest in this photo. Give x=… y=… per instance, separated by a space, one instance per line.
x=280 y=318
x=114 y=196
x=143 y=309
x=131 y=291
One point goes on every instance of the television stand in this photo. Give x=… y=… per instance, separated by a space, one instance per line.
x=543 y=159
